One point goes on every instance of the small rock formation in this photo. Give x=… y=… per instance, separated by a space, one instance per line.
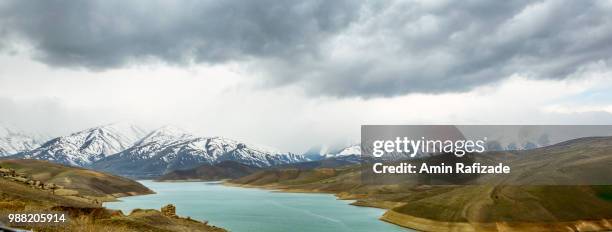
x=7 y=172
x=38 y=184
x=169 y=211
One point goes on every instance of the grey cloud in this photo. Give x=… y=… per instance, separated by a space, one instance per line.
x=337 y=48
x=109 y=34
x=407 y=48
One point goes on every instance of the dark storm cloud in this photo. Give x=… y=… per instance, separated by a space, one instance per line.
x=338 y=48
x=109 y=34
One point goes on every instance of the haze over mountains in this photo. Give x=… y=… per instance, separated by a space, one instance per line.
x=13 y=140
x=344 y=152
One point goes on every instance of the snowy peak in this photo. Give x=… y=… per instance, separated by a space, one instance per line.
x=126 y=132
x=165 y=134
x=87 y=146
x=105 y=140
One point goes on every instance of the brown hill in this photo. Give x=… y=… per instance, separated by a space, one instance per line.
x=80 y=181
x=207 y=172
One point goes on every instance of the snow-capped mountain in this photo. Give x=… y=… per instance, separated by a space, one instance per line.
x=85 y=147
x=13 y=141
x=129 y=150
x=169 y=149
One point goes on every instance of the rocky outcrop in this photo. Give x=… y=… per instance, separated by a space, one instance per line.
x=169 y=211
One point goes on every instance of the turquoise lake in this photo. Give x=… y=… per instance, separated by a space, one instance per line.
x=256 y=210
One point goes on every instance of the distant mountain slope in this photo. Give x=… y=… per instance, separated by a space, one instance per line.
x=324 y=163
x=207 y=172
x=13 y=141
x=170 y=149
x=233 y=170
x=87 y=146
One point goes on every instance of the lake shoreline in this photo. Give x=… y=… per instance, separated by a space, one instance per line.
x=233 y=207
x=357 y=200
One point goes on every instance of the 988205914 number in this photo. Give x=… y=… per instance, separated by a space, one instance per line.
x=26 y=218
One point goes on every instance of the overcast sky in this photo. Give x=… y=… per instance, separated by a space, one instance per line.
x=296 y=74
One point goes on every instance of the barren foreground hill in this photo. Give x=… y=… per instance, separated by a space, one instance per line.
x=40 y=186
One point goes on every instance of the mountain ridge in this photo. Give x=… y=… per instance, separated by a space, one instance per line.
x=84 y=147
x=156 y=157
x=127 y=149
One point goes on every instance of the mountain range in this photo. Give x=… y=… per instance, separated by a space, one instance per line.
x=170 y=148
x=233 y=170
x=129 y=150
x=85 y=147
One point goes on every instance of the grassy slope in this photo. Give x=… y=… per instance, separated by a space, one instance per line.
x=85 y=181
x=509 y=203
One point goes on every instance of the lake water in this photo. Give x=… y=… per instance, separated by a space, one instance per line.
x=247 y=209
